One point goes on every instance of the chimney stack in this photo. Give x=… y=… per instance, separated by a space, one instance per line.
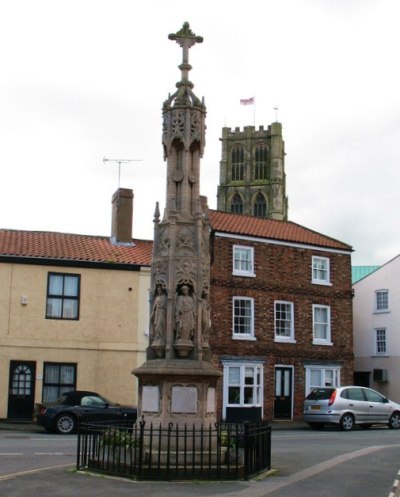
x=122 y=212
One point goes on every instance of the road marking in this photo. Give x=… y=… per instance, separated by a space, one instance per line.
x=275 y=484
x=395 y=489
x=31 y=471
x=50 y=454
x=36 y=454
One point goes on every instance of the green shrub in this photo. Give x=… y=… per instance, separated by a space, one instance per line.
x=115 y=437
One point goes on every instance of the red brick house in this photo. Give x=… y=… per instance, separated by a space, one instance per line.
x=281 y=300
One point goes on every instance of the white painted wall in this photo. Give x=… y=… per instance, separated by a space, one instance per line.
x=366 y=320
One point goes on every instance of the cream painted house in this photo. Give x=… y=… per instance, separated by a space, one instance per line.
x=376 y=314
x=73 y=313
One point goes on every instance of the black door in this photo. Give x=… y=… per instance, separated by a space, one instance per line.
x=21 y=391
x=283 y=393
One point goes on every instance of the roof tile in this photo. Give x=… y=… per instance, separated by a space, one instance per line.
x=284 y=231
x=64 y=246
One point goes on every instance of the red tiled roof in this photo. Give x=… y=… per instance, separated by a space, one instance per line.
x=64 y=246
x=99 y=249
x=284 y=231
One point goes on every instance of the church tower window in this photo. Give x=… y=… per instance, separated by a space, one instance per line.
x=237 y=164
x=261 y=156
x=260 y=206
x=237 y=204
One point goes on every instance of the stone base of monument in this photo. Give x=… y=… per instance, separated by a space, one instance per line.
x=179 y=395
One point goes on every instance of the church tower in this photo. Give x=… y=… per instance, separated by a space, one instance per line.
x=252 y=172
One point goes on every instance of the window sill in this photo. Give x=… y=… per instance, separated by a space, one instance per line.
x=383 y=311
x=243 y=337
x=246 y=275
x=326 y=343
x=320 y=282
x=284 y=340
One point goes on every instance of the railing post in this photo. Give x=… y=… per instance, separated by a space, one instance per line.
x=141 y=446
x=78 y=455
x=170 y=425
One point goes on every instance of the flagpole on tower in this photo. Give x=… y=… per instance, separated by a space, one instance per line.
x=250 y=101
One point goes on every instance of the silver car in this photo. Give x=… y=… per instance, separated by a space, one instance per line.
x=349 y=406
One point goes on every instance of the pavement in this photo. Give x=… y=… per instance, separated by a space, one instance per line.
x=85 y=485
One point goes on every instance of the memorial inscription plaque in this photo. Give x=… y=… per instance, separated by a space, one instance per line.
x=184 y=399
x=150 y=399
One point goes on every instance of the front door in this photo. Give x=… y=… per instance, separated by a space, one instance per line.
x=283 y=393
x=21 y=391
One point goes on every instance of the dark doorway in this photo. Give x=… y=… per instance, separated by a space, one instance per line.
x=362 y=378
x=21 y=391
x=283 y=393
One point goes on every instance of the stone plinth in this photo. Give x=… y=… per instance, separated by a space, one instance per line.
x=177 y=391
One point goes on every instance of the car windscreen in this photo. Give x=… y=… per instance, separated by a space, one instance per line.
x=320 y=394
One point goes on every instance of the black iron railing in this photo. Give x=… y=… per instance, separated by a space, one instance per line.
x=219 y=452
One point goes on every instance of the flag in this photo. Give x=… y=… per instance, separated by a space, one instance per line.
x=247 y=101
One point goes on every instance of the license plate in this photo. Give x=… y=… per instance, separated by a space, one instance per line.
x=315 y=408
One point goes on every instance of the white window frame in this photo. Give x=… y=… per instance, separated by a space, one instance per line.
x=316 y=269
x=238 y=261
x=378 y=309
x=243 y=336
x=280 y=338
x=327 y=340
x=329 y=376
x=379 y=341
x=257 y=386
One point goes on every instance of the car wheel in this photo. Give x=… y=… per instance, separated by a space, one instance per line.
x=394 y=421
x=347 y=422
x=65 y=424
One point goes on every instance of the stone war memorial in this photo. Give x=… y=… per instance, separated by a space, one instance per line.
x=177 y=434
x=177 y=383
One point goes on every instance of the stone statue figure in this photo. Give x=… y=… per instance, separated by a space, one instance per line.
x=205 y=316
x=185 y=316
x=158 y=315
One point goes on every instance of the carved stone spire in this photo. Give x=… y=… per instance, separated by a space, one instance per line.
x=183 y=135
x=181 y=241
x=186 y=39
x=178 y=380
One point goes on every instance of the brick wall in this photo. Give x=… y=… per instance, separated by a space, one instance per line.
x=282 y=273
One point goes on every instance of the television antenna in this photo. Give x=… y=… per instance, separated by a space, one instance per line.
x=119 y=162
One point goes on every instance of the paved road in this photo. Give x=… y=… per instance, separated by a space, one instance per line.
x=323 y=464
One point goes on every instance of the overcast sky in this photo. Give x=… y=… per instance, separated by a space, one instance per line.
x=85 y=79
